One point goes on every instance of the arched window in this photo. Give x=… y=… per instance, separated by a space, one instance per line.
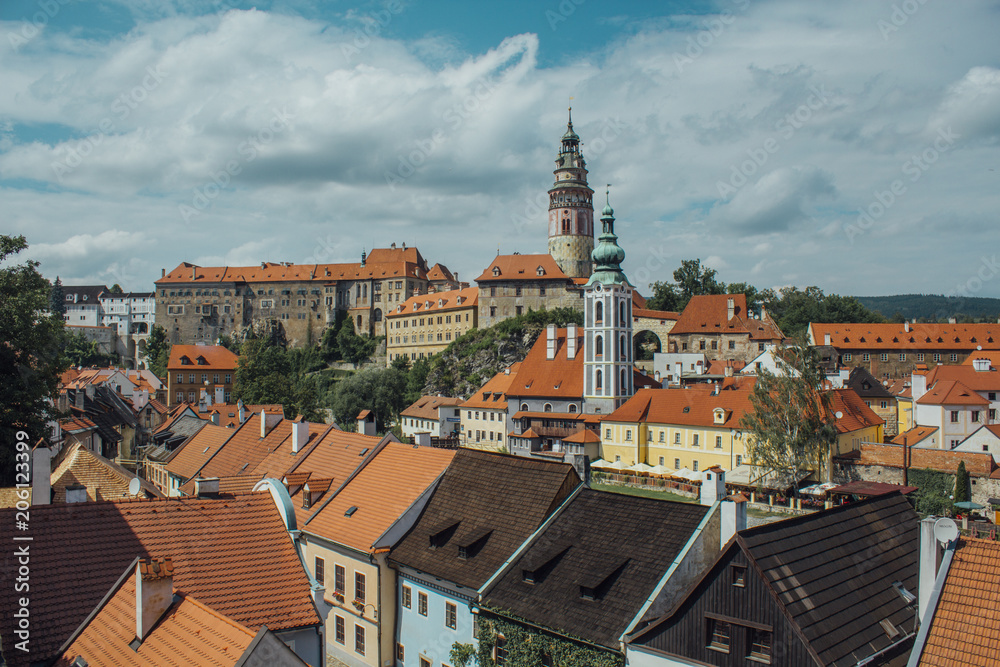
x=600 y=380
x=572 y=408
x=524 y=407
x=377 y=315
x=622 y=349
x=359 y=323
x=599 y=345
x=599 y=312
x=547 y=408
x=624 y=385
x=621 y=314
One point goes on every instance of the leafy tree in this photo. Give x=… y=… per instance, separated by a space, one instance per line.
x=58 y=299
x=690 y=279
x=416 y=380
x=962 y=484
x=381 y=390
x=793 y=309
x=31 y=359
x=354 y=348
x=80 y=351
x=264 y=375
x=791 y=426
x=230 y=343
x=158 y=351
x=754 y=298
x=116 y=289
x=665 y=297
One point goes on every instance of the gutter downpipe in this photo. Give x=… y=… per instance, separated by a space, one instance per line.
x=928 y=615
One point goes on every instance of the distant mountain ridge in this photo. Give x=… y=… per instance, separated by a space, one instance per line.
x=933 y=306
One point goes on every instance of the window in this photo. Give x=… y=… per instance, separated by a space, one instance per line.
x=883 y=404
x=732 y=345
x=229 y=379
x=739 y=575
x=320 y=571
x=920 y=356
x=992 y=395
x=953 y=357
x=739 y=460
x=450 y=615
x=715 y=345
x=759 y=642
x=866 y=357
x=719 y=633
x=992 y=414
x=422 y=603
x=694 y=440
x=975 y=416
x=424 y=662
x=701 y=345
x=847 y=356
x=359 y=639
x=677 y=438
x=500 y=651
x=359 y=586
x=937 y=357
x=191 y=378
x=902 y=356
x=694 y=466
x=663 y=436
x=338 y=578
x=607 y=434
x=884 y=356
x=954 y=416
x=407 y=596
x=628 y=434
x=340 y=630
x=180 y=377
x=400 y=653
x=677 y=464
x=718 y=442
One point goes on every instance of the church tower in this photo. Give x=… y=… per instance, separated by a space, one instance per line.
x=571 y=209
x=607 y=316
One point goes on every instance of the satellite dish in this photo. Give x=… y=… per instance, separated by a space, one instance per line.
x=839 y=415
x=134 y=486
x=945 y=530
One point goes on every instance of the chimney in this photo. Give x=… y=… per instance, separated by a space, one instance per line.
x=827 y=339
x=918 y=384
x=981 y=365
x=240 y=411
x=734 y=517
x=422 y=439
x=89 y=390
x=906 y=326
x=550 y=338
x=952 y=320
x=202 y=400
x=656 y=376
x=215 y=418
x=263 y=423
x=728 y=371
x=713 y=486
x=206 y=486
x=571 y=341
x=154 y=593
x=163 y=273
x=366 y=423
x=935 y=533
x=730 y=308
x=41 y=477
x=194 y=273
x=140 y=398
x=300 y=435
x=76 y=493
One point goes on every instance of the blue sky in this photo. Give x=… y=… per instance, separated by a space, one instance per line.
x=849 y=145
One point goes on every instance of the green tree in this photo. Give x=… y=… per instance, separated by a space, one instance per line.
x=264 y=375
x=157 y=351
x=31 y=358
x=690 y=279
x=416 y=380
x=665 y=297
x=791 y=426
x=381 y=390
x=962 y=494
x=754 y=298
x=58 y=299
x=116 y=289
x=354 y=348
x=80 y=351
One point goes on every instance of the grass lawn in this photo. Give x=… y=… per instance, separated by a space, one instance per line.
x=644 y=493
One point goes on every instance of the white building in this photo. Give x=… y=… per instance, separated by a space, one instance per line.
x=83 y=304
x=440 y=416
x=130 y=314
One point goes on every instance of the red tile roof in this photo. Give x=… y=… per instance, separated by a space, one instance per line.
x=188 y=633
x=914 y=435
x=855 y=414
x=584 y=436
x=522 y=267
x=493 y=394
x=693 y=406
x=191 y=455
x=440 y=272
x=216 y=357
x=951 y=392
x=229 y=413
x=104 y=479
x=426 y=407
x=655 y=314
x=709 y=314
x=233 y=554
x=891 y=336
x=559 y=377
x=719 y=366
x=438 y=302
x=76 y=424
x=381 y=491
x=967 y=375
x=965 y=629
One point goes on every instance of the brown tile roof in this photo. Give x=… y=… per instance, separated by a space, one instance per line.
x=104 y=479
x=967 y=375
x=914 y=435
x=891 y=336
x=655 y=314
x=625 y=542
x=583 y=436
x=709 y=314
x=469 y=510
x=189 y=633
x=229 y=414
x=76 y=424
x=216 y=358
x=188 y=459
x=440 y=272
x=234 y=554
x=719 y=366
x=493 y=394
x=965 y=629
x=522 y=267
x=426 y=407
x=559 y=377
x=856 y=415
x=693 y=406
x=382 y=490
x=436 y=302
x=159 y=407
x=243 y=454
x=951 y=392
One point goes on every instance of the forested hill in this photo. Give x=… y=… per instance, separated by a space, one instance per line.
x=474 y=358
x=932 y=307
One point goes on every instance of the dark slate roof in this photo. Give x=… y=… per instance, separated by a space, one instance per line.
x=472 y=507
x=619 y=545
x=833 y=571
x=92 y=292
x=867 y=385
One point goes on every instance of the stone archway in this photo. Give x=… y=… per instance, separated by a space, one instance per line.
x=651 y=330
x=645 y=343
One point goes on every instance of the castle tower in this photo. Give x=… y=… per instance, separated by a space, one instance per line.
x=607 y=318
x=571 y=209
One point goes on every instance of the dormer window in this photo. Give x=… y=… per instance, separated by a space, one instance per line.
x=540 y=271
x=719 y=416
x=496 y=271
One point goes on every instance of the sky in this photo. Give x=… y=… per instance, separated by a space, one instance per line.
x=847 y=145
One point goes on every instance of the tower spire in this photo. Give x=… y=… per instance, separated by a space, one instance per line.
x=571 y=208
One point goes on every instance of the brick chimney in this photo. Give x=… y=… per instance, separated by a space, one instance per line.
x=154 y=593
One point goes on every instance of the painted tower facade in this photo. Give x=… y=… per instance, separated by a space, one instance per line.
x=607 y=344
x=571 y=209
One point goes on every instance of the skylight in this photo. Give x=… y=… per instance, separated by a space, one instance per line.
x=350 y=511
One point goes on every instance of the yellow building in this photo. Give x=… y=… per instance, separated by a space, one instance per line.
x=699 y=427
x=485 y=422
x=426 y=324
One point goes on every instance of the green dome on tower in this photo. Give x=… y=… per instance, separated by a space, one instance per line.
x=608 y=255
